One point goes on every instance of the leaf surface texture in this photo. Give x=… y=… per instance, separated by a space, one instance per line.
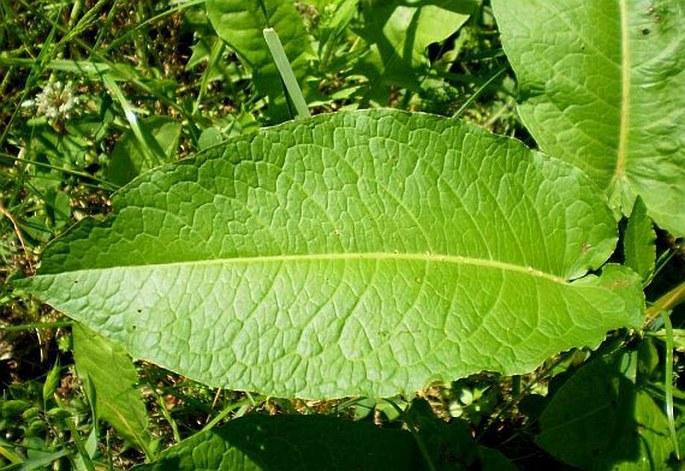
x=353 y=253
x=602 y=86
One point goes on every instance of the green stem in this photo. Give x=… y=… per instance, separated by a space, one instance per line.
x=414 y=430
x=668 y=382
x=665 y=303
x=286 y=71
x=167 y=416
x=226 y=411
x=480 y=90
x=35 y=325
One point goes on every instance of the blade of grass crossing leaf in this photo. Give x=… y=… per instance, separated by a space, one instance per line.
x=13 y=458
x=286 y=71
x=226 y=411
x=668 y=382
x=101 y=183
x=39 y=462
x=64 y=65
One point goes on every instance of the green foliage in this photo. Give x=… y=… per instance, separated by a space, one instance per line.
x=398 y=35
x=129 y=159
x=600 y=88
x=306 y=442
x=240 y=23
x=377 y=261
x=639 y=248
x=291 y=442
x=590 y=421
x=605 y=415
x=349 y=246
x=112 y=377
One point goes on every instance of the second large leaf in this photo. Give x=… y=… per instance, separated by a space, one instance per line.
x=355 y=253
x=602 y=86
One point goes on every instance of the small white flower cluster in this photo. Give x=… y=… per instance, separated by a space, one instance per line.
x=56 y=101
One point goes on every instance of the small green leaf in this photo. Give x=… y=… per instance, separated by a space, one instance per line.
x=639 y=248
x=129 y=158
x=399 y=33
x=602 y=86
x=240 y=23
x=51 y=381
x=112 y=375
x=365 y=253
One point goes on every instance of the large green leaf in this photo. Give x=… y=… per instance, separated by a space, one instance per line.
x=317 y=442
x=590 y=421
x=355 y=253
x=599 y=419
x=259 y=442
x=240 y=23
x=602 y=86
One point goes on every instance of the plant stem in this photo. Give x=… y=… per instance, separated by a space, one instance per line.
x=17 y=231
x=36 y=325
x=480 y=90
x=286 y=71
x=414 y=430
x=668 y=382
x=226 y=411
x=665 y=303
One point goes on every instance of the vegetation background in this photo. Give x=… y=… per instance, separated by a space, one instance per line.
x=83 y=83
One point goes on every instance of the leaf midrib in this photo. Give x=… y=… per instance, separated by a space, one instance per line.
x=349 y=256
x=625 y=93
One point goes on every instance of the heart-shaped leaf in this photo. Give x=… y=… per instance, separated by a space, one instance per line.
x=602 y=86
x=355 y=253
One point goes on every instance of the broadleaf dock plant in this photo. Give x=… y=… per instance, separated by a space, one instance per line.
x=368 y=257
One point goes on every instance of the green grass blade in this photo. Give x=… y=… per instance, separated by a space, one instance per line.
x=478 y=92
x=668 y=382
x=286 y=71
x=151 y=150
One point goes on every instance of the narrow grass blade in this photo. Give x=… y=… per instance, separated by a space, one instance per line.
x=286 y=71
x=668 y=382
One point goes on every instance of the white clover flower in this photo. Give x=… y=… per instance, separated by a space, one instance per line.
x=55 y=102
